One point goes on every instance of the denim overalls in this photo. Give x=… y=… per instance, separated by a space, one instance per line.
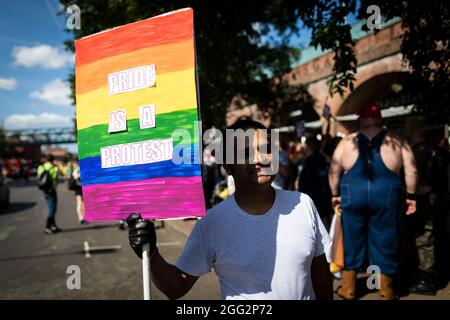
x=371 y=200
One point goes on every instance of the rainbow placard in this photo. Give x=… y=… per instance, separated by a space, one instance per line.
x=135 y=85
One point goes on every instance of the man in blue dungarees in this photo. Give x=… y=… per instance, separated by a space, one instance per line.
x=372 y=198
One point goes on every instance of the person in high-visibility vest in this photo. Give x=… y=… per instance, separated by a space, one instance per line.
x=50 y=192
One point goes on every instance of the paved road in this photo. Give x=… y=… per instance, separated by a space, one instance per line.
x=33 y=265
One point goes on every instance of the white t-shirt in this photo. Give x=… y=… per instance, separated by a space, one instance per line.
x=258 y=257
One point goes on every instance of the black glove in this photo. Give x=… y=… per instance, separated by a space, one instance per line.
x=141 y=231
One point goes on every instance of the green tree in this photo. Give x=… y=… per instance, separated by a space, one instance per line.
x=229 y=41
x=235 y=58
x=425 y=48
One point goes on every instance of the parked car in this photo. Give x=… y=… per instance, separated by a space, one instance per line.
x=4 y=193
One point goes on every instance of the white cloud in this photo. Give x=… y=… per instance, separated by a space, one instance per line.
x=8 y=83
x=55 y=92
x=22 y=121
x=43 y=56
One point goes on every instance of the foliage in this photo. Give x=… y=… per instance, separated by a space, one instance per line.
x=235 y=57
x=425 y=48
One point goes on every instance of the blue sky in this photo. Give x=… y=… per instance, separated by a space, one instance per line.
x=34 y=66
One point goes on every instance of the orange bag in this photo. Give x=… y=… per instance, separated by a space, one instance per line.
x=337 y=236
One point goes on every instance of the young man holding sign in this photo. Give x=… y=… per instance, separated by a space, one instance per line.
x=262 y=243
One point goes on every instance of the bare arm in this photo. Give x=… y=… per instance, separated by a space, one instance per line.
x=321 y=278
x=409 y=165
x=334 y=175
x=169 y=279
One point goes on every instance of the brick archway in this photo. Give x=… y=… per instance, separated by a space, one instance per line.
x=368 y=92
x=371 y=91
x=386 y=65
x=372 y=81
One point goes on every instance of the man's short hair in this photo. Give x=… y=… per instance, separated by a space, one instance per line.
x=247 y=124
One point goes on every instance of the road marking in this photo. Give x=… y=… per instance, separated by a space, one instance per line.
x=162 y=244
x=88 y=249
x=113 y=247
x=20 y=218
x=4 y=233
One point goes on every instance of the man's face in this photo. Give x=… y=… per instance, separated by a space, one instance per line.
x=258 y=158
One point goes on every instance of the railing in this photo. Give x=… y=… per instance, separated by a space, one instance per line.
x=43 y=136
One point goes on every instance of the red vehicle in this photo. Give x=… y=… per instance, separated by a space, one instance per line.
x=12 y=168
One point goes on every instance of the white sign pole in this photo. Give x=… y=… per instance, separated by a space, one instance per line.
x=146 y=271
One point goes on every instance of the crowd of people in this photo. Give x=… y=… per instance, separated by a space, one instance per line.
x=393 y=193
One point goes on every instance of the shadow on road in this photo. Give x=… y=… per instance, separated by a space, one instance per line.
x=91 y=227
x=17 y=207
x=58 y=254
x=19 y=183
x=103 y=226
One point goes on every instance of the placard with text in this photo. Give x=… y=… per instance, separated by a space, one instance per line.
x=135 y=86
